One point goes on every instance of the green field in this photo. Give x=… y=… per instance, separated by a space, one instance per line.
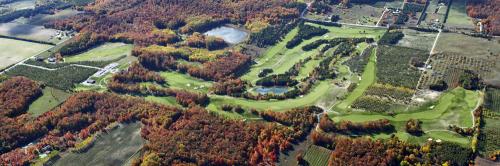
x=280 y=59
x=457 y=16
x=182 y=81
x=105 y=52
x=163 y=100
x=51 y=98
x=453 y=107
x=14 y=51
x=317 y=155
x=367 y=79
x=311 y=98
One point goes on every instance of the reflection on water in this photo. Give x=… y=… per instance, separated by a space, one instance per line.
x=273 y=89
x=229 y=34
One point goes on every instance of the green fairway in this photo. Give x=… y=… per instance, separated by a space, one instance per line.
x=281 y=59
x=51 y=98
x=367 y=79
x=186 y=82
x=105 y=52
x=453 y=107
x=352 y=31
x=276 y=105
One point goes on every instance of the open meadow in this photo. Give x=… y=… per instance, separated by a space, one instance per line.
x=51 y=98
x=105 y=52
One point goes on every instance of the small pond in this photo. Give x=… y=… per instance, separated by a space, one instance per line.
x=229 y=34
x=273 y=89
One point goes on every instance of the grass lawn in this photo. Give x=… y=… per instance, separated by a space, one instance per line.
x=51 y=98
x=309 y=99
x=105 y=52
x=186 y=82
x=453 y=107
x=14 y=51
x=367 y=79
x=163 y=100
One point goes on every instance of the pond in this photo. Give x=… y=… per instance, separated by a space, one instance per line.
x=229 y=34
x=273 y=89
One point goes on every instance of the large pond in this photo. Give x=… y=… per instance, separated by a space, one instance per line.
x=229 y=34
x=273 y=89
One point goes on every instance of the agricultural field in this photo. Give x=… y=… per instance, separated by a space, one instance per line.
x=467 y=45
x=113 y=148
x=488 y=140
x=105 y=52
x=492 y=100
x=435 y=15
x=63 y=78
x=14 y=51
x=417 y=39
x=395 y=65
x=481 y=55
x=317 y=156
x=30 y=32
x=458 y=18
x=41 y=19
x=363 y=14
x=51 y=98
x=17 y=5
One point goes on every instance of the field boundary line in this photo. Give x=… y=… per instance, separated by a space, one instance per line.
x=382 y=16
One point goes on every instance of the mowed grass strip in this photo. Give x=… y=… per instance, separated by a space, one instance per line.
x=51 y=98
x=105 y=52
